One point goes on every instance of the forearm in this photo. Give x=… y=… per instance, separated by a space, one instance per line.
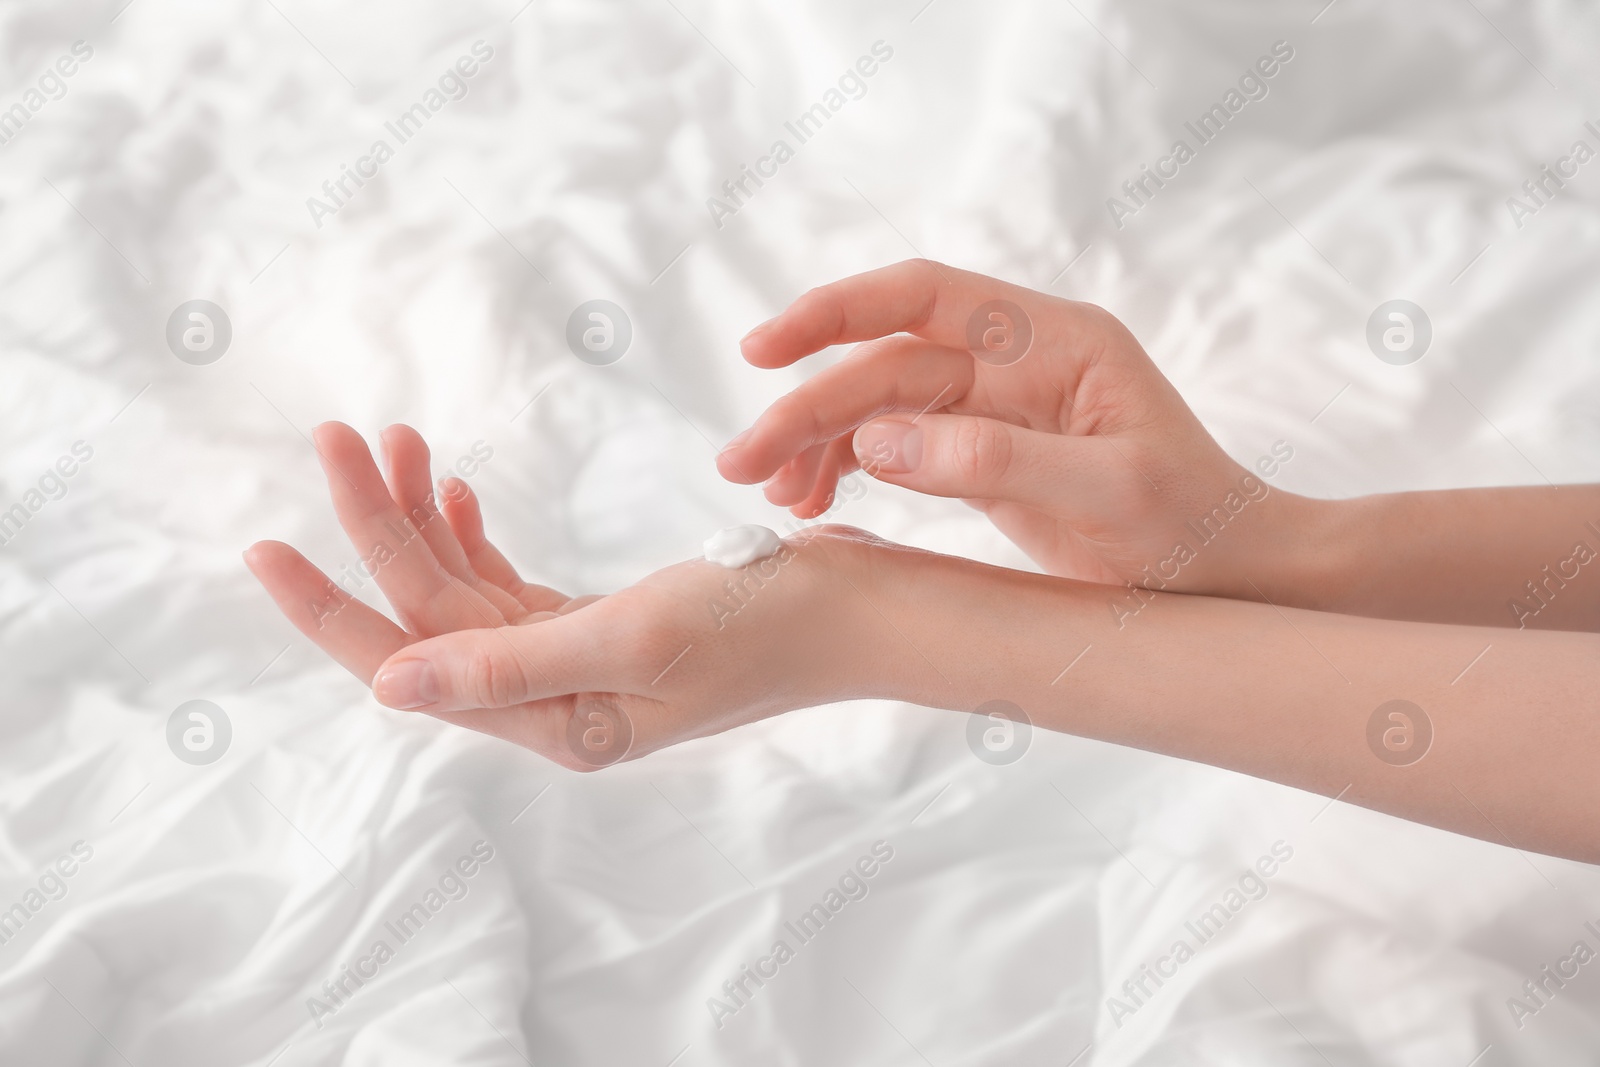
x=1522 y=557
x=1285 y=695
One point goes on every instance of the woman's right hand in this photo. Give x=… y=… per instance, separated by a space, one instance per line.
x=1073 y=443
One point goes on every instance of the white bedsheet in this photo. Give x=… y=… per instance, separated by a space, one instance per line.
x=216 y=900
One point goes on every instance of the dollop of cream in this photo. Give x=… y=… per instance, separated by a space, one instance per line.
x=739 y=546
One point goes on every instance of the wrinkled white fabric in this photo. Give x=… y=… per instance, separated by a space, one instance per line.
x=218 y=899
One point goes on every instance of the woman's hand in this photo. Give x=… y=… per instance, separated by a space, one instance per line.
x=1285 y=694
x=691 y=650
x=1074 y=444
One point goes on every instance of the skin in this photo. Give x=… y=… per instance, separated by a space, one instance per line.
x=1087 y=458
x=673 y=657
x=1084 y=455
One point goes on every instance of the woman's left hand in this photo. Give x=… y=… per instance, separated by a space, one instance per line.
x=691 y=650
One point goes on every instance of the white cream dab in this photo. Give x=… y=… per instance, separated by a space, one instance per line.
x=738 y=546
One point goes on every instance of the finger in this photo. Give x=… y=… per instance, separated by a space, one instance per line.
x=406 y=459
x=920 y=297
x=898 y=374
x=423 y=593
x=357 y=637
x=972 y=457
x=411 y=485
x=497 y=668
x=579 y=602
x=795 y=479
x=361 y=639
x=560 y=728
x=839 y=461
x=539 y=725
x=465 y=515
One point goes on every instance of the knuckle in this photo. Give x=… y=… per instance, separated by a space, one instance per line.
x=1088 y=310
x=814 y=299
x=796 y=414
x=491 y=680
x=926 y=275
x=823 y=305
x=979 y=451
x=1104 y=323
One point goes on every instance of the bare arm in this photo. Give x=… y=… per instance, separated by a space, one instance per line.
x=1527 y=558
x=1283 y=694
x=1083 y=454
x=1497 y=740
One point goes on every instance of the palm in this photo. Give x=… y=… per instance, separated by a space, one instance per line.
x=1055 y=393
x=443 y=576
x=614 y=676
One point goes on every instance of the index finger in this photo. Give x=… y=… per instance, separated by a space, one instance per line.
x=917 y=296
x=355 y=636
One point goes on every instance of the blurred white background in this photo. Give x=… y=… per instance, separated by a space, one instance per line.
x=175 y=164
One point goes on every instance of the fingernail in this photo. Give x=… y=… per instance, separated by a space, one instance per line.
x=891 y=447
x=762 y=328
x=408 y=684
x=738 y=440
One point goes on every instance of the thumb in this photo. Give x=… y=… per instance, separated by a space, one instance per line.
x=971 y=457
x=494 y=667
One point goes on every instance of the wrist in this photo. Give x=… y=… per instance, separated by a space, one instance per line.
x=861 y=587
x=952 y=633
x=1295 y=554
